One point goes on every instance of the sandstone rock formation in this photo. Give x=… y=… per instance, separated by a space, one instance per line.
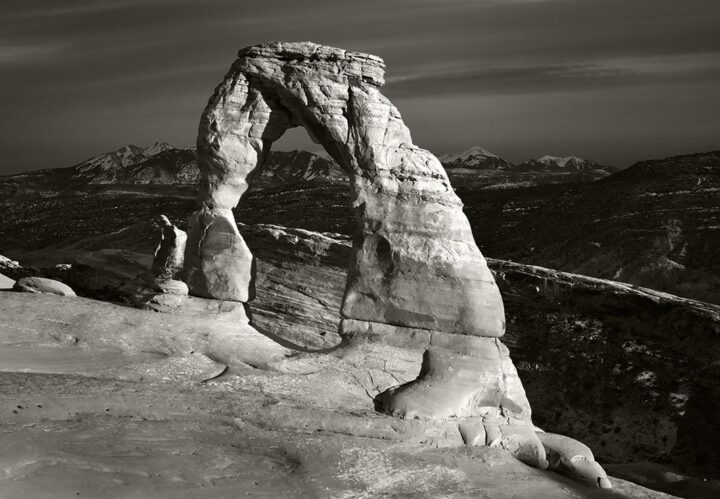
x=416 y=276
x=11 y=269
x=103 y=400
x=613 y=365
x=218 y=263
x=415 y=262
x=170 y=253
x=6 y=282
x=43 y=285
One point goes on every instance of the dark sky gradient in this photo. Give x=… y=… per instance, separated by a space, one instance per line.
x=615 y=81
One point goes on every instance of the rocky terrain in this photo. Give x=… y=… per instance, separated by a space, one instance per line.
x=103 y=400
x=155 y=170
x=564 y=330
x=654 y=224
x=324 y=348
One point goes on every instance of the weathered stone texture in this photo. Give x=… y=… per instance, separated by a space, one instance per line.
x=43 y=285
x=416 y=277
x=6 y=282
x=170 y=253
x=218 y=263
x=414 y=262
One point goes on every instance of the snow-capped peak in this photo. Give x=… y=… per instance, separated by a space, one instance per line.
x=560 y=161
x=124 y=156
x=475 y=158
x=156 y=147
x=473 y=152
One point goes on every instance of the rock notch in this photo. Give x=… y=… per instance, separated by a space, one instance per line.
x=416 y=278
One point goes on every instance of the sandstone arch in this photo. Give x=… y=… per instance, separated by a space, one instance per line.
x=416 y=278
x=415 y=261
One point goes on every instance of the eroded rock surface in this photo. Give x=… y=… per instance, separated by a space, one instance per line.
x=414 y=261
x=170 y=253
x=6 y=282
x=103 y=400
x=109 y=273
x=12 y=269
x=608 y=363
x=43 y=285
x=584 y=347
x=218 y=263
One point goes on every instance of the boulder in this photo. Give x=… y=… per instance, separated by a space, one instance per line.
x=172 y=287
x=109 y=273
x=218 y=263
x=12 y=269
x=170 y=253
x=6 y=282
x=43 y=285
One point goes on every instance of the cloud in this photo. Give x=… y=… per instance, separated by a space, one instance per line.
x=18 y=10
x=554 y=78
x=24 y=54
x=67 y=66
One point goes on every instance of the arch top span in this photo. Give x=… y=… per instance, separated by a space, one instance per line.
x=415 y=263
x=368 y=67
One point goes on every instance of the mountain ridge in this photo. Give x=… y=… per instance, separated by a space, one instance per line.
x=566 y=163
x=159 y=164
x=474 y=158
x=479 y=157
x=479 y=168
x=162 y=163
x=124 y=156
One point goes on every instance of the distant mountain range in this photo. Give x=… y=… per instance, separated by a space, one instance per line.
x=568 y=164
x=106 y=166
x=475 y=158
x=481 y=169
x=159 y=164
x=163 y=164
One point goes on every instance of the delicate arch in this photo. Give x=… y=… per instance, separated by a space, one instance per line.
x=416 y=278
x=414 y=262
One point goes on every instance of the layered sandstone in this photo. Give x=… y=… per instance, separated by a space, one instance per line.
x=6 y=282
x=415 y=270
x=43 y=285
x=414 y=261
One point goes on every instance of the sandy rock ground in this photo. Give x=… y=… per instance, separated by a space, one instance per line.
x=101 y=400
x=203 y=369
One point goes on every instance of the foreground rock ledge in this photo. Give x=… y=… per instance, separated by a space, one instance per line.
x=109 y=401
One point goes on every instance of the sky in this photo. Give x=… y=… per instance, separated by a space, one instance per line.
x=615 y=81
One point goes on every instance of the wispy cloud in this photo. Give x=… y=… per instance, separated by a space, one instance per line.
x=23 y=54
x=38 y=10
x=436 y=80
x=87 y=62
